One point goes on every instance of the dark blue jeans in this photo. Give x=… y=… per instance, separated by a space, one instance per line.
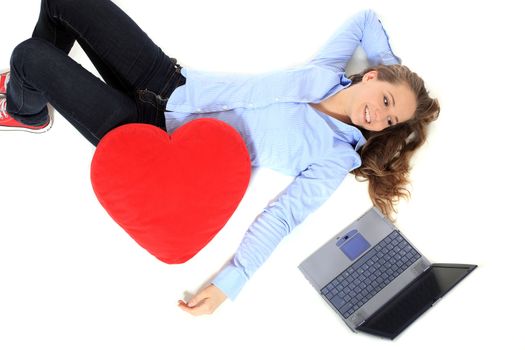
x=138 y=76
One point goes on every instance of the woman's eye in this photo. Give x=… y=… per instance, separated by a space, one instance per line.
x=385 y=101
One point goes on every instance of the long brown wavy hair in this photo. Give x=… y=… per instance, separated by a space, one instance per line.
x=386 y=154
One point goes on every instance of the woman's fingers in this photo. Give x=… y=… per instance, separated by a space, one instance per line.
x=205 y=302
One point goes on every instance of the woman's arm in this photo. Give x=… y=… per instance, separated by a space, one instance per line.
x=304 y=195
x=363 y=29
x=309 y=190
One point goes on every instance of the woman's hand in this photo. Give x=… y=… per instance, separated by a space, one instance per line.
x=204 y=302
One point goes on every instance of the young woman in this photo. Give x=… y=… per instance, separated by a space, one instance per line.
x=312 y=121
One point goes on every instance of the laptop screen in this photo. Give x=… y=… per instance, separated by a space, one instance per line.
x=416 y=298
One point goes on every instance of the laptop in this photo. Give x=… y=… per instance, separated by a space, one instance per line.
x=375 y=279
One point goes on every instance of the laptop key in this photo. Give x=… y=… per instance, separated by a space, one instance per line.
x=370 y=274
x=337 y=301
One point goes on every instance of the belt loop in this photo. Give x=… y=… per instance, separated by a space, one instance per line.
x=177 y=66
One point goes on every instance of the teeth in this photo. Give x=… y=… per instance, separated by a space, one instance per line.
x=367 y=114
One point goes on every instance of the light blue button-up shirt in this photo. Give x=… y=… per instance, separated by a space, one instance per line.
x=283 y=132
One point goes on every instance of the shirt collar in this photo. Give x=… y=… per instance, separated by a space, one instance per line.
x=345 y=81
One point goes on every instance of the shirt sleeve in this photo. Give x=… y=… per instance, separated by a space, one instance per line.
x=363 y=29
x=304 y=195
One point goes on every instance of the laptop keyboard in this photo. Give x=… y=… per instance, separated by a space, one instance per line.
x=370 y=273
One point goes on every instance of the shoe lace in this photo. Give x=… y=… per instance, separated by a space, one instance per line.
x=3 y=108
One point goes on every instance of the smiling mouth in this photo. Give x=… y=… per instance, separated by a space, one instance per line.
x=367 y=115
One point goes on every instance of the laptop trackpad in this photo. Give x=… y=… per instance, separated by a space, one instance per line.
x=353 y=244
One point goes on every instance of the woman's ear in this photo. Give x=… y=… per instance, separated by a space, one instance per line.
x=370 y=75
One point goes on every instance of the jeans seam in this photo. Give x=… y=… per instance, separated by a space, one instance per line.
x=53 y=18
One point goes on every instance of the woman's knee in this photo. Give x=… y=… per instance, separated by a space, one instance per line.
x=31 y=52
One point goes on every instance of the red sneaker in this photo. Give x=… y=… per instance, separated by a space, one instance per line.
x=9 y=123
x=4 y=78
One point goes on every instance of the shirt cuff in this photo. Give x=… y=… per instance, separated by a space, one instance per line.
x=230 y=281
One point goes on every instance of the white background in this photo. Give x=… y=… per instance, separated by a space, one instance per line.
x=70 y=278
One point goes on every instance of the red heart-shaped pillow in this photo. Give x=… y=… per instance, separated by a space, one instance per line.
x=171 y=194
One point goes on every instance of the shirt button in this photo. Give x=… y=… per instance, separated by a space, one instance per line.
x=225 y=107
x=250 y=105
x=199 y=110
x=277 y=99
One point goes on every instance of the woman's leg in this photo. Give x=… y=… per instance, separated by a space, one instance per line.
x=123 y=54
x=42 y=73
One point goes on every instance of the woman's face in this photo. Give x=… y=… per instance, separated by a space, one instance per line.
x=375 y=105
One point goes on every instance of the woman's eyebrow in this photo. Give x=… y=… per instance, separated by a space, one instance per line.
x=392 y=97
x=393 y=104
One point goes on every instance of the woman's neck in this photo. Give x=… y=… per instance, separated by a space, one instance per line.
x=334 y=106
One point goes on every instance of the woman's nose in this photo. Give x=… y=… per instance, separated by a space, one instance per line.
x=381 y=116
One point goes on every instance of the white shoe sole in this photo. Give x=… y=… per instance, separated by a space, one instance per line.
x=33 y=131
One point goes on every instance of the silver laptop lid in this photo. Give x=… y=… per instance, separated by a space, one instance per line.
x=345 y=249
